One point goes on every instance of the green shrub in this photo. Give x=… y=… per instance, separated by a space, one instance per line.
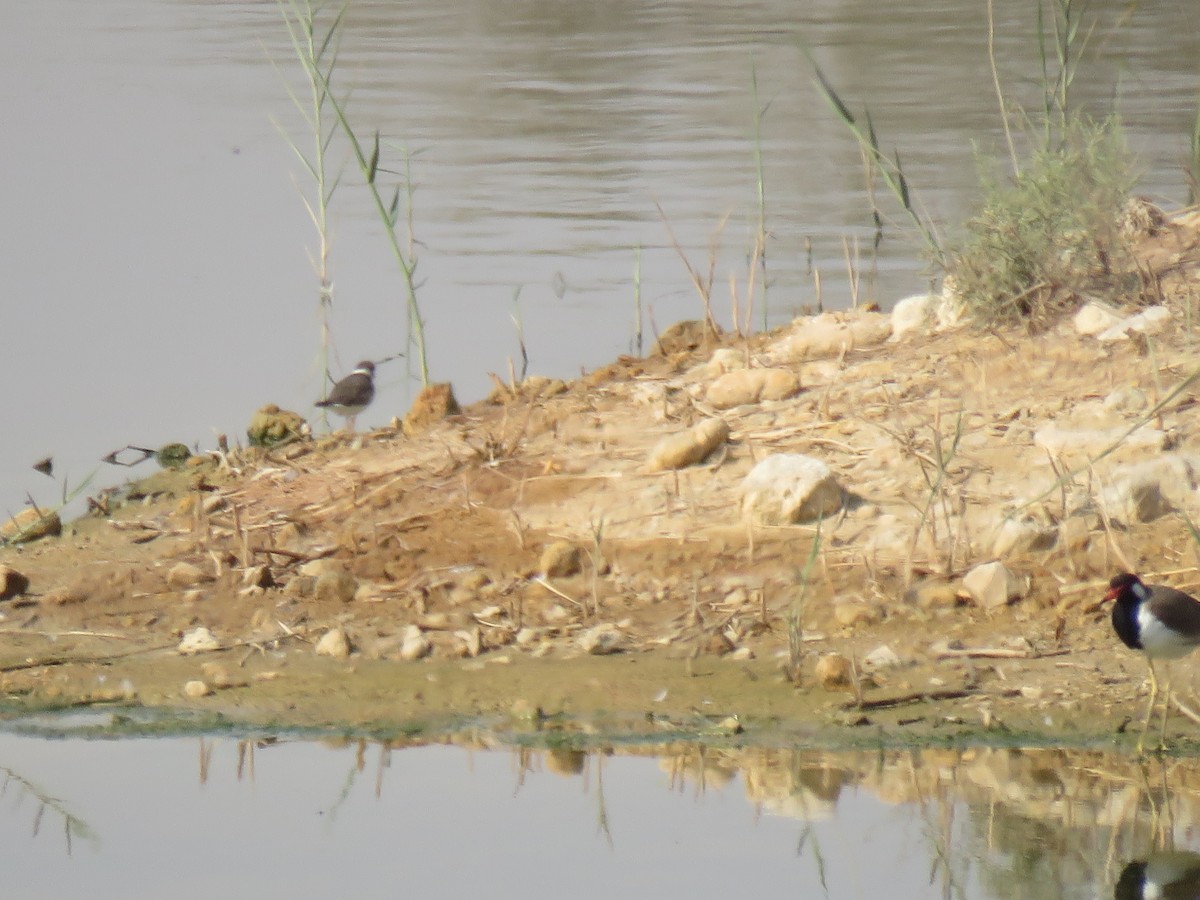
x=1052 y=233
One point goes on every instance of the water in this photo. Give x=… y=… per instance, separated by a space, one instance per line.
x=156 y=250
x=199 y=817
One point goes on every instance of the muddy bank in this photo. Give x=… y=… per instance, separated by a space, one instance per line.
x=594 y=546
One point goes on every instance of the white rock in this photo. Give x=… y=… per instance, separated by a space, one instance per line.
x=786 y=488
x=1094 y=317
x=334 y=643
x=416 y=645
x=1142 y=492
x=1148 y=321
x=992 y=585
x=602 y=639
x=882 y=657
x=724 y=359
x=914 y=314
x=196 y=689
x=198 y=640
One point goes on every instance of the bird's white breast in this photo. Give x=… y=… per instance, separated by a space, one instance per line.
x=1160 y=641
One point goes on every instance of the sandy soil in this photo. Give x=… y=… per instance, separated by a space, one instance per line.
x=429 y=553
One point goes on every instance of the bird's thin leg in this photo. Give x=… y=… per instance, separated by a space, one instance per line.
x=1141 y=744
x=350 y=420
x=1162 y=736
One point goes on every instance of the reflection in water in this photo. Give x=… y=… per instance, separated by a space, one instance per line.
x=22 y=794
x=1167 y=876
x=479 y=815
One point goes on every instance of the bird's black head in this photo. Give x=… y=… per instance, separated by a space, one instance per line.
x=366 y=366
x=1121 y=583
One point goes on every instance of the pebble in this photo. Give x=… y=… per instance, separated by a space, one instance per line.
x=689 y=447
x=334 y=643
x=602 y=639
x=12 y=583
x=834 y=672
x=335 y=586
x=185 y=575
x=196 y=689
x=198 y=640
x=30 y=525
x=560 y=560
x=416 y=645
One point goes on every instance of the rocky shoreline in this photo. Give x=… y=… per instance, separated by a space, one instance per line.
x=860 y=518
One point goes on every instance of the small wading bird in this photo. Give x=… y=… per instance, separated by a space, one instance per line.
x=1161 y=622
x=352 y=394
x=1162 y=876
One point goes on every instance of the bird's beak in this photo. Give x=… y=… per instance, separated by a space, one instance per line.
x=1112 y=594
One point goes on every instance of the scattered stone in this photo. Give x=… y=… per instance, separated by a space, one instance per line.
x=932 y=594
x=415 y=645
x=272 y=426
x=854 y=613
x=882 y=657
x=684 y=337
x=992 y=585
x=787 y=488
x=258 y=576
x=218 y=676
x=1074 y=532
x=1077 y=446
x=1127 y=400
x=335 y=586
x=474 y=578
x=718 y=644
x=198 y=640
x=602 y=639
x=1149 y=321
x=742 y=654
x=318 y=567
x=746 y=386
x=832 y=334
x=835 y=672
x=12 y=583
x=1145 y=491
x=691 y=446
x=723 y=359
x=470 y=641
x=30 y=525
x=334 y=643
x=561 y=560
x=64 y=596
x=196 y=689
x=914 y=314
x=184 y=575
x=1022 y=535
x=1095 y=317
x=434 y=403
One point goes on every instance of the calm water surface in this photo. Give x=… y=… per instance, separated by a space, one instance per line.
x=201 y=817
x=156 y=250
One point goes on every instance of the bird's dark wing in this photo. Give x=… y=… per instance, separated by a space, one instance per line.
x=1178 y=611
